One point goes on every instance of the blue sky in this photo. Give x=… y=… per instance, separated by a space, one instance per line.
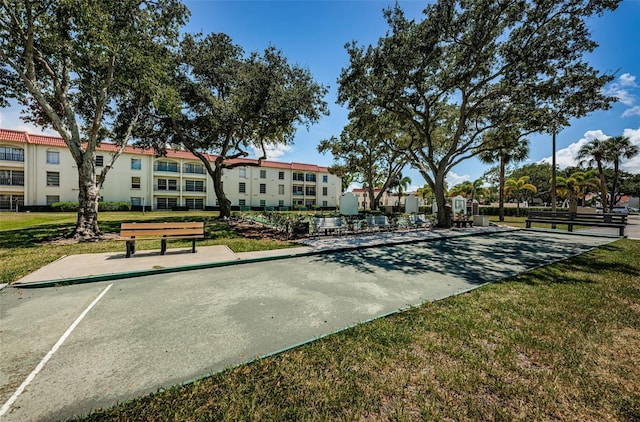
x=313 y=34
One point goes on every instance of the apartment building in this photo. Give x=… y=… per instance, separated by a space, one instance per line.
x=39 y=170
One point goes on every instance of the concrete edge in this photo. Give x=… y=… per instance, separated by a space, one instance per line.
x=284 y=255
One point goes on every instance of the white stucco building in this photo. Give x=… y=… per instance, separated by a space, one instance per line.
x=39 y=170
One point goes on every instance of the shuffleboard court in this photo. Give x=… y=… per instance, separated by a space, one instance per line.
x=141 y=334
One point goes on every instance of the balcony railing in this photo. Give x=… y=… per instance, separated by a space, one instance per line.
x=12 y=181
x=11 y=156
x=166 y=188
x=195 y=189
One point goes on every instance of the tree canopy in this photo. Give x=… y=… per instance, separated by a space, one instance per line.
x=224 y=102
x=87 y=69
x=469 y=67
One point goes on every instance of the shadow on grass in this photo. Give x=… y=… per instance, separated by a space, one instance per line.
x=477 y=259
x=30 y=237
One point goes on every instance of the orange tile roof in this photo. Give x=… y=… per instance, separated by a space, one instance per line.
x=27 y=138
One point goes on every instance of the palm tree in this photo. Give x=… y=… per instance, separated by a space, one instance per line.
x=401 y=184
x=596 y=151
x=618 y=147
x=519 y=188
x=575 y=187
x=511 y=148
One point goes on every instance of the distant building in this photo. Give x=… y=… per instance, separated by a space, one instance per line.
x=39 y=170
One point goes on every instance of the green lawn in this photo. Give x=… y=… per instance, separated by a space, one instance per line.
x=22 y=250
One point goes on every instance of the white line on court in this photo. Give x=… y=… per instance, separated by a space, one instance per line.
x=55 y=347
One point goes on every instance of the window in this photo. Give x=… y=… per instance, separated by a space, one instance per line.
x=167 y=184
x=11 y=154
x=298 y=177
x=52 y=199
x=242 y=187
x=99 y=160
x=263 y=203
x=242 y=172
x=166 y=203
x=136 y=201
x=280 y=203
x=168 y=166
x=280 y=189
x=11 y=177
x=194 y=203
x=324 y=203
x=325 y=178
x=298 y=190
x=194 y=186
x=263 y=174
x=135 y=183
x=263 y=188
x=310 y=191
x=193 y=168
x=310 y=177
x=325 y=191
x=53 y=157
x=53 y=178
x=136 y=164
x=281 y=175
x=242 y=202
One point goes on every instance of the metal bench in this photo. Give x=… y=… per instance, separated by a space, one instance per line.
x=379 y=222
x=130 y=232
x=327 y=225
x=571 y=219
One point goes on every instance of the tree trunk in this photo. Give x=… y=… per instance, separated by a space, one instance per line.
x=87 y=223
x=603 y=187
x=444 y=214
x=501 y=189
x=614 y=188
x=373 y=202
x=223 y=201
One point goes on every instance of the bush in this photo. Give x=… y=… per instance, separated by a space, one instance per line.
x=72 y=206
x=512 y=211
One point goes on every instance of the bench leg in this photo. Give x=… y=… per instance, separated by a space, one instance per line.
x=131 y=248
x=193 y=246
x=570 y=227
x=163 y=246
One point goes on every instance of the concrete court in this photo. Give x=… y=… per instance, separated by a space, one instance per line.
x=151 y=332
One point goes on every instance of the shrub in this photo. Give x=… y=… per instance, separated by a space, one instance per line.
x=71 y=206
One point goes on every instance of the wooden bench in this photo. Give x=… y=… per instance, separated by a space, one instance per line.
x=571 y=219
x=130 y=232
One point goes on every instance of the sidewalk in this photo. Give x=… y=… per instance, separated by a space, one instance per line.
x=114 y=265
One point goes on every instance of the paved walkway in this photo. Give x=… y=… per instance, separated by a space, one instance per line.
x=67 y=350
x=114 y=265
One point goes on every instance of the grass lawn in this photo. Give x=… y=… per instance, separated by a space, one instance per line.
x=558 y=343
x=22 y=237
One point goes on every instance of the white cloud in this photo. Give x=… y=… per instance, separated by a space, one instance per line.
x=627 y=79
x=633 y=165
x=273 y=151
x=633 y=111
x=567 y=157
x=621 y=89
x=453 y=179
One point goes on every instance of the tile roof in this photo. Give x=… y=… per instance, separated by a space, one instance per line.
x=27 y=138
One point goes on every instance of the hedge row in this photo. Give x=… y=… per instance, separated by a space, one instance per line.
x=72 y=206
x=513 y=212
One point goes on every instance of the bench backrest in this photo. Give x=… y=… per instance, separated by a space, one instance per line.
x=328 y=222
x=161 y=229
x=377 y=220
x=588 y=217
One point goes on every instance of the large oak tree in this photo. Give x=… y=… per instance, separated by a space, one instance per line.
x=471 y=66
x=224 y=102
x=87 y=69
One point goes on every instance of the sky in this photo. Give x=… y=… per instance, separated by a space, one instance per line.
x=313 y=34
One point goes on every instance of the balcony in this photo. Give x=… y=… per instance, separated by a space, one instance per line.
x=12 y=156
